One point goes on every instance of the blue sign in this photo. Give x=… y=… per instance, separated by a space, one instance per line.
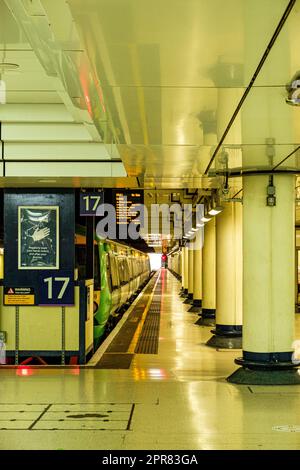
x=90 y=201
x=56 y=288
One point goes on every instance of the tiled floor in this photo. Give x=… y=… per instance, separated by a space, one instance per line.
x=177 y=399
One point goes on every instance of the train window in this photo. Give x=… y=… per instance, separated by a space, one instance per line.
x=126 y=270
x=136 y=267
x=121 y=269
x=114 y=271
x=131 y=276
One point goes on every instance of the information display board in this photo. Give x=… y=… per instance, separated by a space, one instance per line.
x=126 y=202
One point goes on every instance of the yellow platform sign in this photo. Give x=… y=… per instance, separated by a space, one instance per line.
x=19 y=296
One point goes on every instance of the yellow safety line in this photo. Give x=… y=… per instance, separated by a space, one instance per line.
x=138 y=331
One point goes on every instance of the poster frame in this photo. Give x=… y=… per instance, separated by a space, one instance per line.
x=41 y=207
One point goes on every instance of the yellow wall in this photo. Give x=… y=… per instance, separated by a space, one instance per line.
x=40 y=327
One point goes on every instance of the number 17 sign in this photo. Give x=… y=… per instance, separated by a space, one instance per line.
x=56 y=288
x=90 y=201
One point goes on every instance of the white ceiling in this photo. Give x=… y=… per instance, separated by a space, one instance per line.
x=151 y=85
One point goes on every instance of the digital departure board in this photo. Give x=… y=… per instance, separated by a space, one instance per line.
x=126 y=204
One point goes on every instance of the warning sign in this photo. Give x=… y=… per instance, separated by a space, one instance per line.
x=19 y=296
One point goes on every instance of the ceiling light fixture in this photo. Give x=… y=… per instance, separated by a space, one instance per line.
x=205 y=219
x=215 y=210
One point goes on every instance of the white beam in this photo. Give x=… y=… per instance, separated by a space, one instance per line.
x=23 y=131
x=71 y=169
x=34 y=113
x=55 y=151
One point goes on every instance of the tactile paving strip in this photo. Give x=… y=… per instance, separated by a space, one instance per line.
x=115 y=361
x=148 y=340
x=116 y=355
x=123 y=339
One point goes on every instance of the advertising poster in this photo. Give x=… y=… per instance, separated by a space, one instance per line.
x=38 y=237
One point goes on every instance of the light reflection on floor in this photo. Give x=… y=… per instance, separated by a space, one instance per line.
x=179 y=397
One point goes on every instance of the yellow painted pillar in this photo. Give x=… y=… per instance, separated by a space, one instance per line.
x=182 y=270
x=197 y=294
x=191 y=273
x=228 y=332
x=268 y=283
x=197 y=272
x=179 y=264
x=209 y=270
x=186 y=270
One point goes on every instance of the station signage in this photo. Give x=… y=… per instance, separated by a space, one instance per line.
x=39 y=247
x=126 y=204
x=19 y=296
x=90 y=201
x=56 y=288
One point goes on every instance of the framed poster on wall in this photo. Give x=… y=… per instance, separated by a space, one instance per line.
x=38 y=237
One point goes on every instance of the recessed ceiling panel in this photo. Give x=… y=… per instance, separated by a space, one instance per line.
x=176 y=42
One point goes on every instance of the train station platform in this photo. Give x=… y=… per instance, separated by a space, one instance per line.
x=177 y=398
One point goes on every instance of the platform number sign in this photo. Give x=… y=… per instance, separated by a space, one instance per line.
x=57 y=288
x=90 y=201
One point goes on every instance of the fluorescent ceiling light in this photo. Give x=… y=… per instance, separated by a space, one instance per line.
x=215 y=210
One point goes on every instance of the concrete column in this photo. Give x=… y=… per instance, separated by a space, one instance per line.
x=228 y=332
x=209 y=273
x=191 y=273
x=182 y=271
x=268 y=283
x=179 y=263
x=197 y=273
x=185 y=271
x=189 y=298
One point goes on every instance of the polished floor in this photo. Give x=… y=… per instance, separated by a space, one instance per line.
x=177 y=399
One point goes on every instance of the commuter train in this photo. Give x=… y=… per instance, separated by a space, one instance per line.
x=48 y=336
x=174 y=263
x=120 y=272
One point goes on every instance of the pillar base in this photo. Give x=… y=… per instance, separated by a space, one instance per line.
x=275 y=368
x=196 y=306
x=184 y=293
x=246 y=376
x=209 y=313
x=202 y=321
x=225 y=342
x=189 y=299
